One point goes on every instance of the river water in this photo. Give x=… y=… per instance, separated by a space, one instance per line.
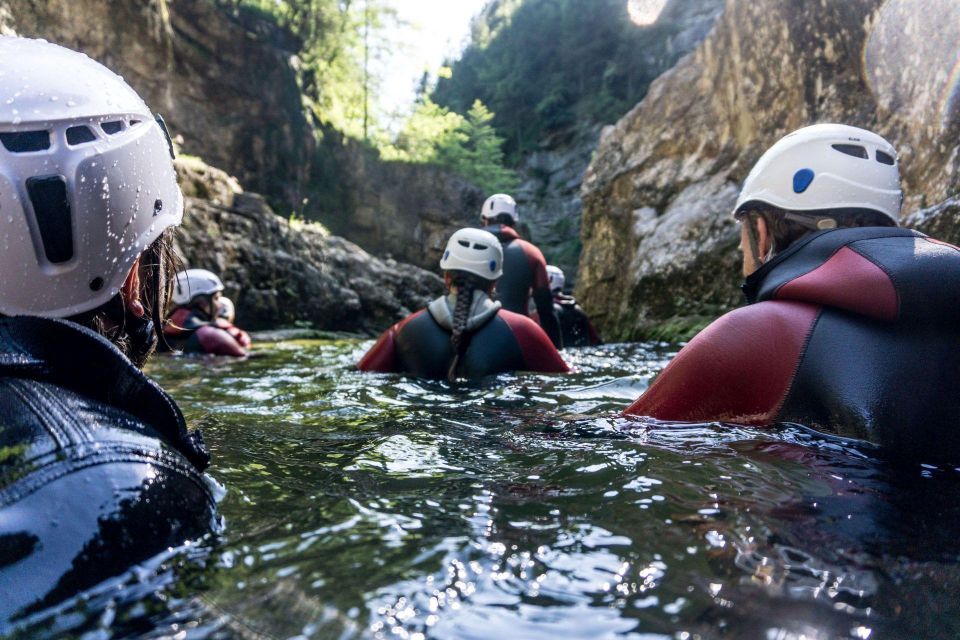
x=386 y=507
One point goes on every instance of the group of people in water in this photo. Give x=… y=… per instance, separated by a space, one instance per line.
x=850 y=325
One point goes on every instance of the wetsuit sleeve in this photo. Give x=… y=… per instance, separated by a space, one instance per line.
x=538 y=351
x=739 y=369
x=382 y=356
x=542 y=296
x=241 y=336
x=218 y=341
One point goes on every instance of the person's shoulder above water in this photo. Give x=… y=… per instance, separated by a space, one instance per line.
x=739 y=369
x=538 y=350
x=202 y=322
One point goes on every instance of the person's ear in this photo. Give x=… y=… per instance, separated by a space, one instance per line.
x=130 y=291
x=764 y=241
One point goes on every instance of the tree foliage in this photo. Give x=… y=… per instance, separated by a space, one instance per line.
x=544 y=65
x=339 y=40
x=468 y=145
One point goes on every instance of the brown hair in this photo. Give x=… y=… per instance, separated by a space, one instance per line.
x=137 y=337
x=784 y=232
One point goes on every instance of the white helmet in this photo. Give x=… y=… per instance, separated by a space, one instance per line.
x=226 y=309
x=497 y=204
x=826 y=166
x=195 y=282
x=474 y=251
x=86 y=180
x=556 y=278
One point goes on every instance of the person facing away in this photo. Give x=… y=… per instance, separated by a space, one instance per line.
x=575 y=327
x=197 y=324
x=524 y=267
x=852 y=324
x=97 y=469
x=465 y=333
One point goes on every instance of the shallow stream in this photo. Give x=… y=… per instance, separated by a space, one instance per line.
x=381 y=506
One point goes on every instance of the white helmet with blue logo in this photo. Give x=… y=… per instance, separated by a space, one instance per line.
x=826 y=167
x=474 y=251
x=499 y=204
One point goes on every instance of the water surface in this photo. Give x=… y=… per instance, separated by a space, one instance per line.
x=381 y=506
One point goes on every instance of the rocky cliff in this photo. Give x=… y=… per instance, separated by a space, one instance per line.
x=283 y=274
x=659 y=244
x=227 y=83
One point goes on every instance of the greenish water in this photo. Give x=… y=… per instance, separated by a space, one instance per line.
x=381 y=506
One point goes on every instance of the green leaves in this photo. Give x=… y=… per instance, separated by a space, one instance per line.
x=469 y=145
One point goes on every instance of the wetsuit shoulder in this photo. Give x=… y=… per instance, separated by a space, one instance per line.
x=382 y=357
x=538 y=265
x=739 y=369
x=538 y=351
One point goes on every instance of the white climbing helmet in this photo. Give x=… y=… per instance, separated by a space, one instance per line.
x=226 y=309
x=86 y=180
x=195 y=282
x=474 y=251
x=556 y=278
x=826 y=166
x=499 y=203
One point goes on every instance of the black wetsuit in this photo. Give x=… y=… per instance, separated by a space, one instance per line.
x=97 y=469
x=575 y=326
x=503 y=342
x=525 y=274
x=851 y=331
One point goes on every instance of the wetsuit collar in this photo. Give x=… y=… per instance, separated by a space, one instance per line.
x=503 y=232
x=762 y=283
x=481 y=310
x=66 y=354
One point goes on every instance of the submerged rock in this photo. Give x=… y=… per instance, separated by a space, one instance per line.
x=283 y=273
x=658 y=239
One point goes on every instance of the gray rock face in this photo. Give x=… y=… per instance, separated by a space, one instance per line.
x=658 y=240
x=549 y=194
x=280 y=274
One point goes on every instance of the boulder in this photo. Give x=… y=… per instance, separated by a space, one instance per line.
x=289 y=272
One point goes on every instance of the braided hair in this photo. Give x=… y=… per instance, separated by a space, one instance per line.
x=465 y=283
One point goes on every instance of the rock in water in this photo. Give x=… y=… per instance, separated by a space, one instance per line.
x=282 y=273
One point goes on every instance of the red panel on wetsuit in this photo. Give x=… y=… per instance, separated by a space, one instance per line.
x=739 y=369
x=846 y=281
x=538 y=351
x=538 y=265
x=382 y=356
x=218 y=341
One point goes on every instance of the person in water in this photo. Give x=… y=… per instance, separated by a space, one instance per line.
x=852 y=322
x=196 y=325
x=98 y=471
x=524 y=267
x=465 y=333
x=575 y=327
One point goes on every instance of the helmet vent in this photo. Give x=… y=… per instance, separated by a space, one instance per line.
x=463 y=243
x=52 y=211
x=113 y=127
x=885 y=158
x=80 y=134
x=25 y=141
x=479 y=247
x=854 y=150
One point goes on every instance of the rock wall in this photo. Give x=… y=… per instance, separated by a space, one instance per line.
x=227 y=83
x=659 y=243
x=551 y=177
x=283 y=274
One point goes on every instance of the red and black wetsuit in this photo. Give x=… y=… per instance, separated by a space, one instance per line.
x=502 y=342
x=575 y=326
x=850 y=331
x=525 y=272
x=191 y=332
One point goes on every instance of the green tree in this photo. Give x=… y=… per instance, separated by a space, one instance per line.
x=475 y=151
